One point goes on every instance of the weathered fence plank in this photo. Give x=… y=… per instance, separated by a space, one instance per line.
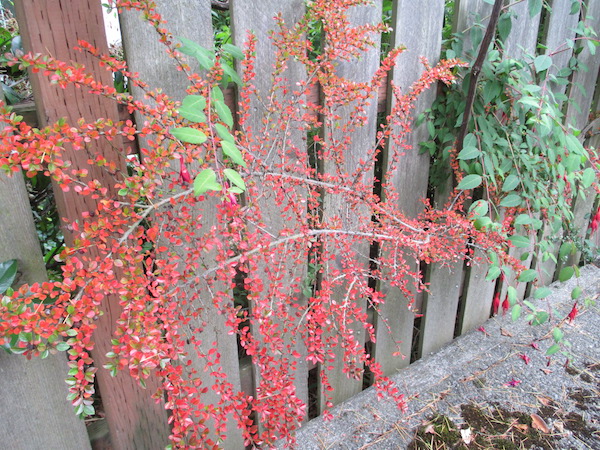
x=147 y=56
x=362 y=140
x=33 y=394
x=418 y=27
x=287 y=141
x=440 y=305
x=54 y=27
x=581 y=97
x=522 y=39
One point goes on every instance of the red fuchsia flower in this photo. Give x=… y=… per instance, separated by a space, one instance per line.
x=505 y=305
x=184 y=175
x=595 y=221
x=513 y=383
x=496 y=303
x=525 y=358
x=573 y=313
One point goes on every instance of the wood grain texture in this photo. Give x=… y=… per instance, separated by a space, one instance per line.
x=147 y=55
x=417 y=26
x=467 y=13
x=334 y=206
x=54 y=27
x=33 y=394
x=522 y=39
x=477 y=296
x=280 y=145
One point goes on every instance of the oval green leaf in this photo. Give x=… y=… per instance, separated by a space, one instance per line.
x=566 y=273
x=511 y=201
x=542 y=62
x=511 y=182
x=224 y=133
x=232 y=152
x=234 y=51
x=223 y=112
x=470 y=182
x=189 y=135
x=520 y=241
x=516 y=312
x=206 y=181
x=493 y=273
x=235 y=178
x=527 y=275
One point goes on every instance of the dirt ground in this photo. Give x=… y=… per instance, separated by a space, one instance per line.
x=489 y=389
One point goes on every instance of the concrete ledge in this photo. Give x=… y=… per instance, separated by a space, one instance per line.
x=486 y=369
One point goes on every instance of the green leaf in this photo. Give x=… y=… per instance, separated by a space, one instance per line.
x=206 y=181
x=493 y=273
x=588 y=177
x=192 y=108
x=520 y=241
x=205 y=57
x=190 y=135
x=229 y=71
x=511 y=201
x=557 y=335
x=566 y=273
x=512 y=295
x=469 y=153
x=523 y=219
x=8 y=273
x=542 y=292
x=565 y=249
x=479 y=208
x=553 y=349
x=233 y=153
x=541 y=317
x=576 y=292
x=504 y=26
x=62 y=346
x=224 y=133
x=482 y=222
x=542 y=63
x=515 y=313
x=470 y=182
x=535 y=7
x=224 y=112
x=527 y=275
x=511 y=182
x=235 y=178
x=234 y=51
x=217 y=94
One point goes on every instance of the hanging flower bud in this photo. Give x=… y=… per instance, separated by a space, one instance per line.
x=496 y=303
x=573 y=313
x=184 y=175
x=505 y=305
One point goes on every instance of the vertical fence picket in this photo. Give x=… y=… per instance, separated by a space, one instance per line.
x=523 y=35
x=285 y=144
x=578 y=114
x=362 y=139
x=418 y=27
x=147 y=56
x=440 y=305
x=478 y=293
x=33 y=392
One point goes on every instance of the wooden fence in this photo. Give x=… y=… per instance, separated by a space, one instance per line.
x=459 y=298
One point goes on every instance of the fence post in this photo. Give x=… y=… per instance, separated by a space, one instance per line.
x=54 y=26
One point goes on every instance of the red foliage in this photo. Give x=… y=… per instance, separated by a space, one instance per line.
x=173 y=258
